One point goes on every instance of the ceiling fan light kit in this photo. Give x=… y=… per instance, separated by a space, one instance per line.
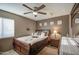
x=35 y=13
x=35 y=10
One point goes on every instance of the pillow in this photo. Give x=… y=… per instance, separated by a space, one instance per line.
x=46 y=33
x=42 y=34
x=39 y=33
x=34 y=34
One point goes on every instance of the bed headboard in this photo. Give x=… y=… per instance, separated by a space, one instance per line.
x=43 y=30
x=47 y=31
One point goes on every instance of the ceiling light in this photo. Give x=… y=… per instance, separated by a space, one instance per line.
x=35 y=13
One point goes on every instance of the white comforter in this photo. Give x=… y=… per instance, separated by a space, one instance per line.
x=69 y=46
x=30 y=39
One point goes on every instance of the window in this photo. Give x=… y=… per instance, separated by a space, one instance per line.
x=0 y=27
x=45 y=24
x=6 y=27
x=51 y=23
x=40 y=24
x=59 y=22
x=77 y=20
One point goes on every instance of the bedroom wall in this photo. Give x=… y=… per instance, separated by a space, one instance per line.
x=21 y=25
x=6 y=44
x=63 y=28
x=75 y=27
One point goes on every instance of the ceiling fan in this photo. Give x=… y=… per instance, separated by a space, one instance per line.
x=35 y=10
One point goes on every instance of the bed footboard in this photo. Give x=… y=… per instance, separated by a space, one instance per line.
x=37 y=47
x=27 y=49
x=21 y=48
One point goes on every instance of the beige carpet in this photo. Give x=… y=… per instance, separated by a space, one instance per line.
x=45 y=51
x=49 y=51
x=10 y=52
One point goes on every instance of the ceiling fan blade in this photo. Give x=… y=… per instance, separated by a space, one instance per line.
x=27 y=7
x=41 y=7
x=27 y=12
x=42 y=13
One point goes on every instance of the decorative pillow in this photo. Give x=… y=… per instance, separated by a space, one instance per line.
x=35 y=34
x=39 y=33
x=42 y=34
x=32 y=34
x=46 y=33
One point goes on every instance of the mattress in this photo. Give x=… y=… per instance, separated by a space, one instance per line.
x=69 y=46
x=30 y=39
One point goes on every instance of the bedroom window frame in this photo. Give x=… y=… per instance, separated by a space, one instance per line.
x=7 y=24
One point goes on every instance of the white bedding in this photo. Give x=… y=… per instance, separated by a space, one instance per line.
x=69 y=46
x=30 y=39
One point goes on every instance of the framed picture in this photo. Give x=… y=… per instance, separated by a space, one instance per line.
x=40 y=24
x=77 y=20
x=45 y=24
x=59 y=22
x=52 y=23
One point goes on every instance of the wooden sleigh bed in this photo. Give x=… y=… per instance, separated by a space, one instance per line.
x=24 y=48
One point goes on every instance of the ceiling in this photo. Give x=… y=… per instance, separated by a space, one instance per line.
x=52 y=9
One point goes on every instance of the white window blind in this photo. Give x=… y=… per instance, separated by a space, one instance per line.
x=7 y=28
x=0 y=27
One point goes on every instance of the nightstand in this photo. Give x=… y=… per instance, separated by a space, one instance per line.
x=55 y=42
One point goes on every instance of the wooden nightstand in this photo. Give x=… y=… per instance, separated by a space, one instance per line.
x=55 y=42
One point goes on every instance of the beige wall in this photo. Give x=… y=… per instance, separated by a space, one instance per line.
x=21 y=25
x=6 y=44
x=63 y=29
x=75 y=27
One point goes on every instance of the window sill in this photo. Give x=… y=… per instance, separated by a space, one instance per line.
x=5 y=37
